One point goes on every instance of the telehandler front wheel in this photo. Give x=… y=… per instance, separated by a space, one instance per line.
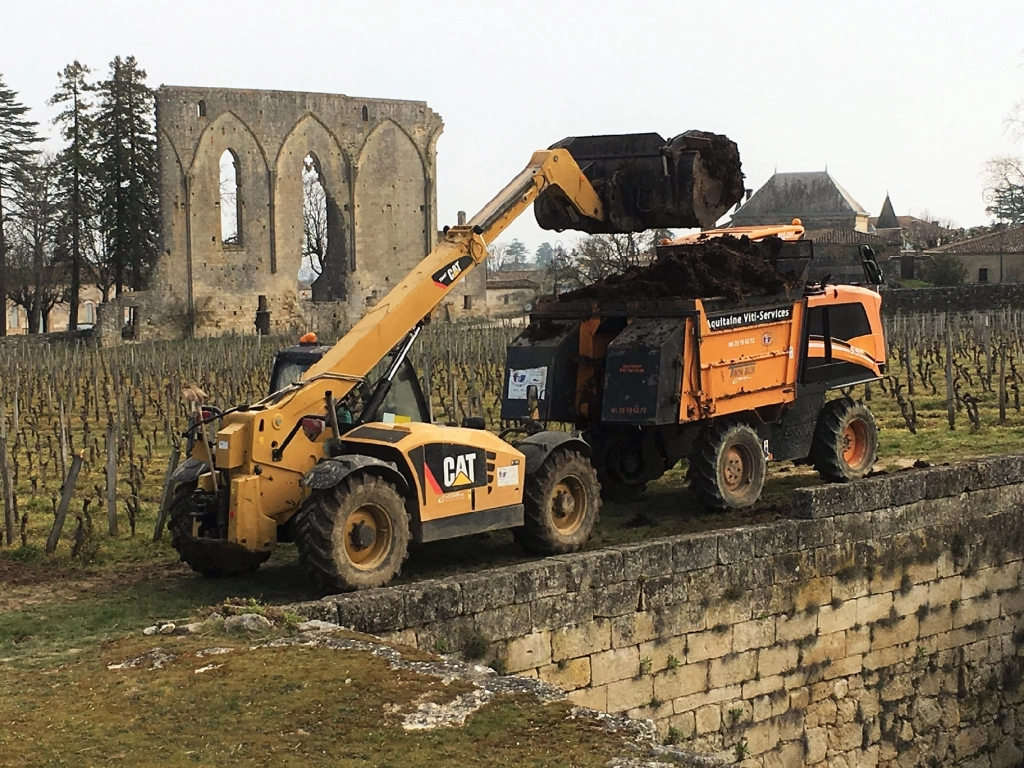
x=209 y=557
x=727 y=466
x=845 y=442
x=563 y=501
x=353 y=536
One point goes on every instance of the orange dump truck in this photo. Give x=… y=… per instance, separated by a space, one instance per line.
x=729 y=382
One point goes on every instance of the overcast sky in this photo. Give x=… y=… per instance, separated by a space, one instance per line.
x=891 y=95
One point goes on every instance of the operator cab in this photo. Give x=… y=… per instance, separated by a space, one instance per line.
x=291 y=362
x=404 y=401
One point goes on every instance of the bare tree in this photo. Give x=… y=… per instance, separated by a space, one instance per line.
x=1004 y=193
x=314 y=219
x=38 y=259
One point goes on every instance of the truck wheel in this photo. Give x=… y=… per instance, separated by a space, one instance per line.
x=206 y=556
x=845 y=441
x=353 y=536
x=563 y=501
x=727 y=466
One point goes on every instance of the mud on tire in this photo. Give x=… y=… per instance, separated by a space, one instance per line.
x=562 y=501
x=210 y=558
x=845 y=442
x=727 y=466
x=353 y=536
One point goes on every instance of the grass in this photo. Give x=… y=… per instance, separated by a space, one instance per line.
x=268 y=706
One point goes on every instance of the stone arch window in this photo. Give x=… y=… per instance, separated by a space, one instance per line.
x=13 y=317
x=366 y=115
x=315 y=233
x=230 y=199
x=89 y=313
x=201 y=107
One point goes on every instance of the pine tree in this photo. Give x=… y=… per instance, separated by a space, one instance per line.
x=129 y=213
x=17 y=135
x=77 y=170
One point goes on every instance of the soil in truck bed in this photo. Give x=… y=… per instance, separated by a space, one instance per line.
x=727 y=267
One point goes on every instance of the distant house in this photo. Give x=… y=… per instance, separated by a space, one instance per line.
x=510 y=291
x=997 y=257
x=814 y=197
x=90 y=298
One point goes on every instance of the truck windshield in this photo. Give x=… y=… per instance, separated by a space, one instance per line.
x=404 y=402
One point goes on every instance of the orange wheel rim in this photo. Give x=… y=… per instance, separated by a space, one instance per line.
x=737 y=468
x=569 y=505
x=855 y=443
x=367 y=537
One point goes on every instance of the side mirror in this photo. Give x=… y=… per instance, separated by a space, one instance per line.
x=872 y=272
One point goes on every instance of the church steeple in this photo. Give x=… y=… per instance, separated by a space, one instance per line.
x=887 y=218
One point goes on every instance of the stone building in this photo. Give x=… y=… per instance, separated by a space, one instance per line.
x=997 y=257
x=232 y=195
x=813 y=197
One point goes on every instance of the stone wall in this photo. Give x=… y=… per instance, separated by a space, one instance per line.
x=375 y=160
x=882 y=624
x=957 y=298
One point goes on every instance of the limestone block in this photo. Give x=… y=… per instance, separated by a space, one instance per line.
x=481 y=592
x=758 y=633
x=776 y=660
x=821 y=712
x=837 y=619
x=908 y=602
x=694 y=552
x=633 y=628
x=647 y=560
x=504 y=623
x=811 y=534
x=594 y=698
x=797 y=627
x=851 y=665
x=729 y=612
x=714 y=696
x=685 y=723
x=873 y=607
x=543 y=578
x=615 y=664
x=708 y=645
x=732 y=669
x=843 y=738
x=529 y=652
x=977 y=609
x=682 y=681
x=937 y=621
x=708 y=719
x=616 y=599
x=897 y=687
x=969 y=740
x=904 y=630
x=581 y=640
x=568 y=675
x=826 y=648
x=764 y=685
x=627 y=694
x=735 y=545
x=761 y=708
x=761 y=737
x=568 y=608
x=429 y=601
x=816 y=741
x=814 y=592
x=664 y=653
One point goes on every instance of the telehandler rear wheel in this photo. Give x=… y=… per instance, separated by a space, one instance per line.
x=563 y=501
x=206 y=556
x=845 y=441
x=353 y=536
x=727 y=466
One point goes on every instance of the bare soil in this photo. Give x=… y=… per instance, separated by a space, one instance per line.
x=725 y=267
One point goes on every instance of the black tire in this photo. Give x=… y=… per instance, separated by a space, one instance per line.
x=563 y=502
x=727 y=466
x=208 y=557
x=845 y=443
x=620 y=466
x=353 y=536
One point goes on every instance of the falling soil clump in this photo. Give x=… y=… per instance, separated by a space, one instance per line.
x=723 y=267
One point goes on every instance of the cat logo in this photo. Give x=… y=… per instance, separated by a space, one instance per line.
x=449 y=273
x=459 y=470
